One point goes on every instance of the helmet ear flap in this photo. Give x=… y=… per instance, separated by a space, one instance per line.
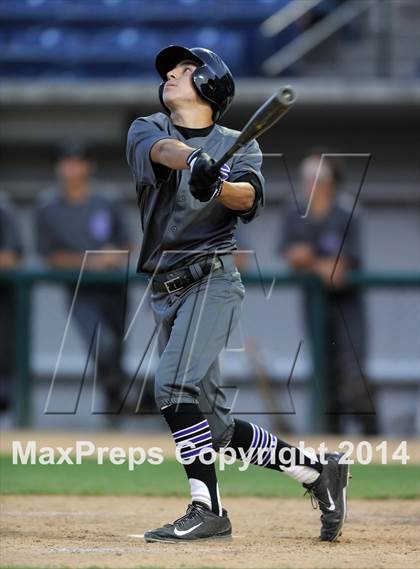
x=211 y=85
x=213 y=81
x=197 y=77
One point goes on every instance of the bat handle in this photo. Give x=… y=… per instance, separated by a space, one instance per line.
x=215 y=169
x=217 y=165
x=226 y=156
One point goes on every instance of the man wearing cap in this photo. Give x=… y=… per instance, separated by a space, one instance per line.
x=70 y=223
x=189 y=215
x=326 y=243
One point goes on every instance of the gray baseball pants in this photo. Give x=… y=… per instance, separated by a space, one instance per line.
x=194 y=325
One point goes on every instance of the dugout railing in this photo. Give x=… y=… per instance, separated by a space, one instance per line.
x=23 y=281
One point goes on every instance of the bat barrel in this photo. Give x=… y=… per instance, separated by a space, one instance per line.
x=268 y=114
x=287 y=96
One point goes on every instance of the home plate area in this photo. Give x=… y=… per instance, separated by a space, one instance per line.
x=79 y=532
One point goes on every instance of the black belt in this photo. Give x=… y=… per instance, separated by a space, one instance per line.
x=178 y=279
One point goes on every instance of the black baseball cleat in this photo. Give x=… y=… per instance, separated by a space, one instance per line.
x=329 y=493
x=198 y=523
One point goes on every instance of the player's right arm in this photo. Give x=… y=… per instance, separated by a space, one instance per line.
x=152 y=153
x=171 y=153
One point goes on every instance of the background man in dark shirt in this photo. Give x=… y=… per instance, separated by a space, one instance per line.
x=68 y=225
x=10 y=254
x=311 y=243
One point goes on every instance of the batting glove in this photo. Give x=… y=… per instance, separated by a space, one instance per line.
x=205 y=183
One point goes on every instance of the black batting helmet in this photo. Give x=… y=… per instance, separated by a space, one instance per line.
x=212 y=78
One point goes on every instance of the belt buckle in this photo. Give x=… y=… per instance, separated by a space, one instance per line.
x=170 y=287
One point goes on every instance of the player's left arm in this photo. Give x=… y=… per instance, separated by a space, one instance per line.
x=239 y=196
x=244 y=190
x=239 y=188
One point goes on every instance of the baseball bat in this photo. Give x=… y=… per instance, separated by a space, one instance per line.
x=264 y=118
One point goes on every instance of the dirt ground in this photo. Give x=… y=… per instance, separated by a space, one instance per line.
x=50 y=531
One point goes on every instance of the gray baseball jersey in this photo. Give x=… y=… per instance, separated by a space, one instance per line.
x=177 y=228
x=90 y=225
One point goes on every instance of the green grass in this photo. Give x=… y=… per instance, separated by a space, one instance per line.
x=168 y=479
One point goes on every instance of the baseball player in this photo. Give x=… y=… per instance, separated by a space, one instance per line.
x=189 y=214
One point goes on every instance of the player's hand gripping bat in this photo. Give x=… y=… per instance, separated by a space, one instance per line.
x=264 y=118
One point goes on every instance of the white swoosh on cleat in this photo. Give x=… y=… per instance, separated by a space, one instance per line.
x=331 y=507
x=180 y=533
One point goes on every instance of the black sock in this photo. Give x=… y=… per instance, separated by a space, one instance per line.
x=267 y=448
x=189 y=426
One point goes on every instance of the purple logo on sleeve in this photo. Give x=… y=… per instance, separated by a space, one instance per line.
x=100 y=225
x=330 y=243
x=224 y=172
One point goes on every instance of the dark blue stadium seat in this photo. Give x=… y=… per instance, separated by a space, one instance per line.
x=106 y=38
x=247 y=11
x=139 y=10
x=42 y=44
x=230 y=45
x=98 y=10
x=27 y=10
x=131 y=44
